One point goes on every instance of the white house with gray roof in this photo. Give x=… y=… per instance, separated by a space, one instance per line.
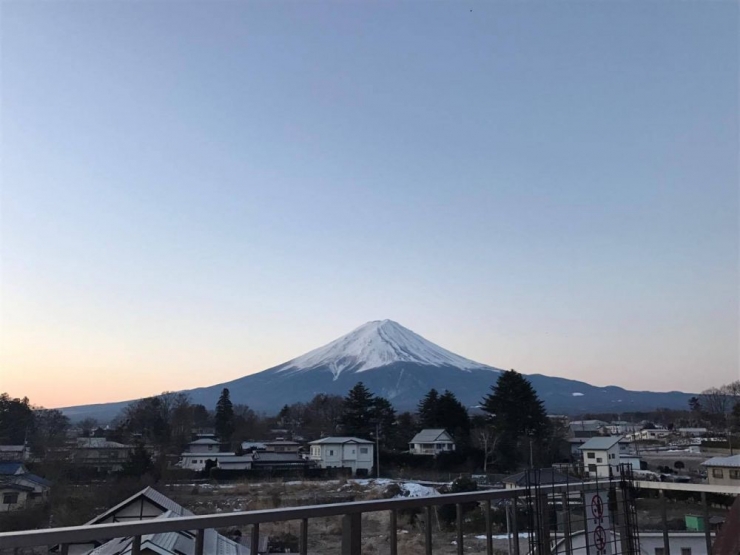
x=723 y=471
x=343 y=452
x=601 y=456
x=431 y=441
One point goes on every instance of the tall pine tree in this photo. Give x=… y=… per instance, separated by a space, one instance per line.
x=358 y=412
x=224 y=421
x=517 y=415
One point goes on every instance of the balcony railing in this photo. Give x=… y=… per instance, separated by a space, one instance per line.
x=350 y=512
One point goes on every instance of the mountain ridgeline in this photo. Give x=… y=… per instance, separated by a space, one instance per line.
x=401 y=366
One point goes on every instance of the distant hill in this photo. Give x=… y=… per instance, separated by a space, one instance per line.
x=402 y=366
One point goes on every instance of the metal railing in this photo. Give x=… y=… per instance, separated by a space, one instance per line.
x=351 y=513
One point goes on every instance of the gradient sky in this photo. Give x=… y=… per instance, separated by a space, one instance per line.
x=194 y=191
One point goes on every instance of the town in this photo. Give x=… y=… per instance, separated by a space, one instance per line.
x=166 y=455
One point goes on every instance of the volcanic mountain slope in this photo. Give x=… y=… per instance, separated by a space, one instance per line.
x=402 y=366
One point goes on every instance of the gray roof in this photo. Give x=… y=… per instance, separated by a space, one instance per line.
x=430 y=435
x=12 y=448
x=600 y=443
x=173 y=542
x=152 y=495
x=339 y=440
x=205 y=441
x=727 y=462
x=98 y=443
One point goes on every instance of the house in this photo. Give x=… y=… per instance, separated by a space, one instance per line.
x=431 y=441
x=20 y=488
x=282 y=446
x=586 y=428
x=651 y=543
x=620 y=427
x=204 y=445
x=651 y=434
x=10 y=453
x=100 y=454
x=343 y=452
x=601 y=456
x=150 y=504
x=280 y=461
x=723 y=471
x=198 y=461
x=542 y=477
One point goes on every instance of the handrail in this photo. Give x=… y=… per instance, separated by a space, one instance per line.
x=82 y=534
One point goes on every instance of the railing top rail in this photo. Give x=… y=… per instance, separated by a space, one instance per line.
x=83 y=534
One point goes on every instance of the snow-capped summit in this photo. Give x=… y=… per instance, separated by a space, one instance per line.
x=376 y=344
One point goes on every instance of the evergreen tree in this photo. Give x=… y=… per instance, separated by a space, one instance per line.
x=518 y=417
x=453 y=417
x=358 y=412
x=224 y=421
x=139 y=462
x=427 y=410
x=385 y=416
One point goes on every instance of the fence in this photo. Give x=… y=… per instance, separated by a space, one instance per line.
x=553 y=513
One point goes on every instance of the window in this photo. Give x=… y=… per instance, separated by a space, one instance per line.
x=599 y=460
x=659 y=551
x=591 y=455
x=717 y=473
x=10 y=498
x=363 y=450
x=685 y=551
x=331 y=452
x=592 y=468
x=734 y=474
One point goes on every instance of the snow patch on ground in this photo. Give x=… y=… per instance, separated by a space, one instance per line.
x=577 y=394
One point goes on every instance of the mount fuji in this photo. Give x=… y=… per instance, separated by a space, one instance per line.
x=400 y=365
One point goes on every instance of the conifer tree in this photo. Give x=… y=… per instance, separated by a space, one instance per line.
x=224 y=421
x=358 y=412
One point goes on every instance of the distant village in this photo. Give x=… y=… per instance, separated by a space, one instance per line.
x=167 y=440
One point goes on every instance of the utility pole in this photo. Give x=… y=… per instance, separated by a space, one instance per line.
x=377 y=449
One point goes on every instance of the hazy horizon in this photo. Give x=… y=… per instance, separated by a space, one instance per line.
x=192 y=192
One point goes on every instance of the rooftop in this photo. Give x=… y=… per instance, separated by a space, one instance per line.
x=732 y=462
x=600 y=443
x=430 y=435
x=339 y=440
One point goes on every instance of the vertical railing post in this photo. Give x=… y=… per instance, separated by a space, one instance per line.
x=707 y=526
x=304 y=537
x=428 y=531
x=352 y=534
x=64 y=549
x=515 y=523
x=489 y=529
x=564 y=499
x=459 y=527
x=136 y=545
x=199 y=541
x=394 y=532
x=255 y=538
x=664 y=521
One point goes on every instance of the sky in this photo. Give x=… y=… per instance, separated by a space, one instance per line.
x=195 y=191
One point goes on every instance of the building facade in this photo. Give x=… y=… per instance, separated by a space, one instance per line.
x=343 y=452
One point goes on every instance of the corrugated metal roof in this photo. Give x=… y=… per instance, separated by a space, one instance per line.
x=430 y=435
x=727 y=462
x=339 y=440
x=600 y=443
